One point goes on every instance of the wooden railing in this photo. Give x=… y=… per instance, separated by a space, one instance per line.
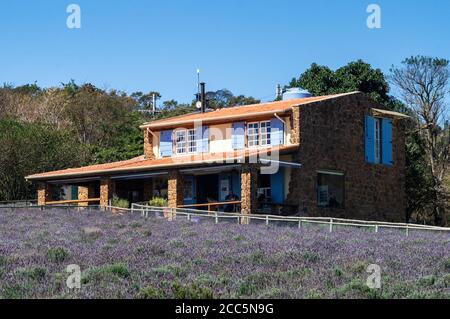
x=73 y=201
x=210 y=205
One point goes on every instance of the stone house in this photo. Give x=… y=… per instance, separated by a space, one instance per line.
x=339 y=155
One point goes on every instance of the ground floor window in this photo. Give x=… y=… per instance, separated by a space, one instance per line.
x=160 y=187
x=264 y=188
x=330 y=189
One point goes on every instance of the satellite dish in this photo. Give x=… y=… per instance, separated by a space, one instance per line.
x=198 y=104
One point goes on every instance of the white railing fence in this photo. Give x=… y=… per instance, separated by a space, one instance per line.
x=330 y=223
x=300 y=221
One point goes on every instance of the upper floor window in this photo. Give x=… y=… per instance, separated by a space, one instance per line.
x=377 y=140
x=258 y=134
x=185 y=141
x=265 y=133
x=253 y=134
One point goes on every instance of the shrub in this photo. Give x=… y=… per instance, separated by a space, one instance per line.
x=57 y=255
x=34 y=273
x=120 y=202
x=158 y=202
x=149 y=293
x=447 y=264
x=427 y=280
x=98 y=273
x=192 y=291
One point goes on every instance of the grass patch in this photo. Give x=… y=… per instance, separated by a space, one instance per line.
x=57 y=255
x=191 y=291
x=99 y=273
x=34 y=273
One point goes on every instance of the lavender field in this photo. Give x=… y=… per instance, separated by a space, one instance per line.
x=128 y=256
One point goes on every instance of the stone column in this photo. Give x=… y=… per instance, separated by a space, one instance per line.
x=148 y=145
x=295 y=125
x=83 y=194
x=175 y=188
x=249 y=187
x=148 y=189
x=107 y=190
x=44 y=193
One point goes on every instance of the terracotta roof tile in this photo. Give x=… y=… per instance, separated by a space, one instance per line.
x=246 y=111
x=141 y=164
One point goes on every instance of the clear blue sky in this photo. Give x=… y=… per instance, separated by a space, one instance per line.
x=245 y=46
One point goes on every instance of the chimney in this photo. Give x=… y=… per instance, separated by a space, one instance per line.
x=203 y=96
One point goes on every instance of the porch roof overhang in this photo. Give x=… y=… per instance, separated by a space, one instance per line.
x=266 y=161
x=140 y=165
x=391 y=114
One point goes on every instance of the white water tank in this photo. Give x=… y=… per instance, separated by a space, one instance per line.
x=295 y=93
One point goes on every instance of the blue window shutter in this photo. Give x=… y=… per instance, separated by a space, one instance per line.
x=238 y=135
x=205 y=139
x=202 y=138
x=369 y=139
x=277 y=186
x=276 y=132
x=386 y=142
x=165 y=143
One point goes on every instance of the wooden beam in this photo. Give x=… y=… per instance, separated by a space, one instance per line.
x=75 y=201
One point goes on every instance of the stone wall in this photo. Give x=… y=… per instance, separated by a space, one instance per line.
x=249 y=187
x=83 y=194
x=295 y=126
x=148 y=145
x=107 y=190
x=332 y=138
x=44 y=192
x=175 y=190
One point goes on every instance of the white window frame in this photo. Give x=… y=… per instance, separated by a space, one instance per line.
x=252 y=134
x=191 y=141
x=266 y=135
x=187 y=143
x=261 y=134
x=377 y=140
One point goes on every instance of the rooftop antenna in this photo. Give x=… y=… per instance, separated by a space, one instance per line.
x=278 y=92
x=154 y=104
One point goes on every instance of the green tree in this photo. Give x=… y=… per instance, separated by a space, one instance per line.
x=355 y=76
x=30 y=148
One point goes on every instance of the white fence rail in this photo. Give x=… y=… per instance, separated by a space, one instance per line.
x=299 y=221
x=330 y=222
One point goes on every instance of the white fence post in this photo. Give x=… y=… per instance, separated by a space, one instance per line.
x=267 y=220
x=216 y=218
x=407 y=230
x=299 y=224
x=376 y=228
x=331 y=225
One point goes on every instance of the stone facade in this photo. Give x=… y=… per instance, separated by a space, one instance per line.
x=107 y=190
x=175 y=190
x=332 y=138
x=44 y=192
x=86 y=192
x=295 y=125
x=83 y=194
x=148 y=145
x=249 y=186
